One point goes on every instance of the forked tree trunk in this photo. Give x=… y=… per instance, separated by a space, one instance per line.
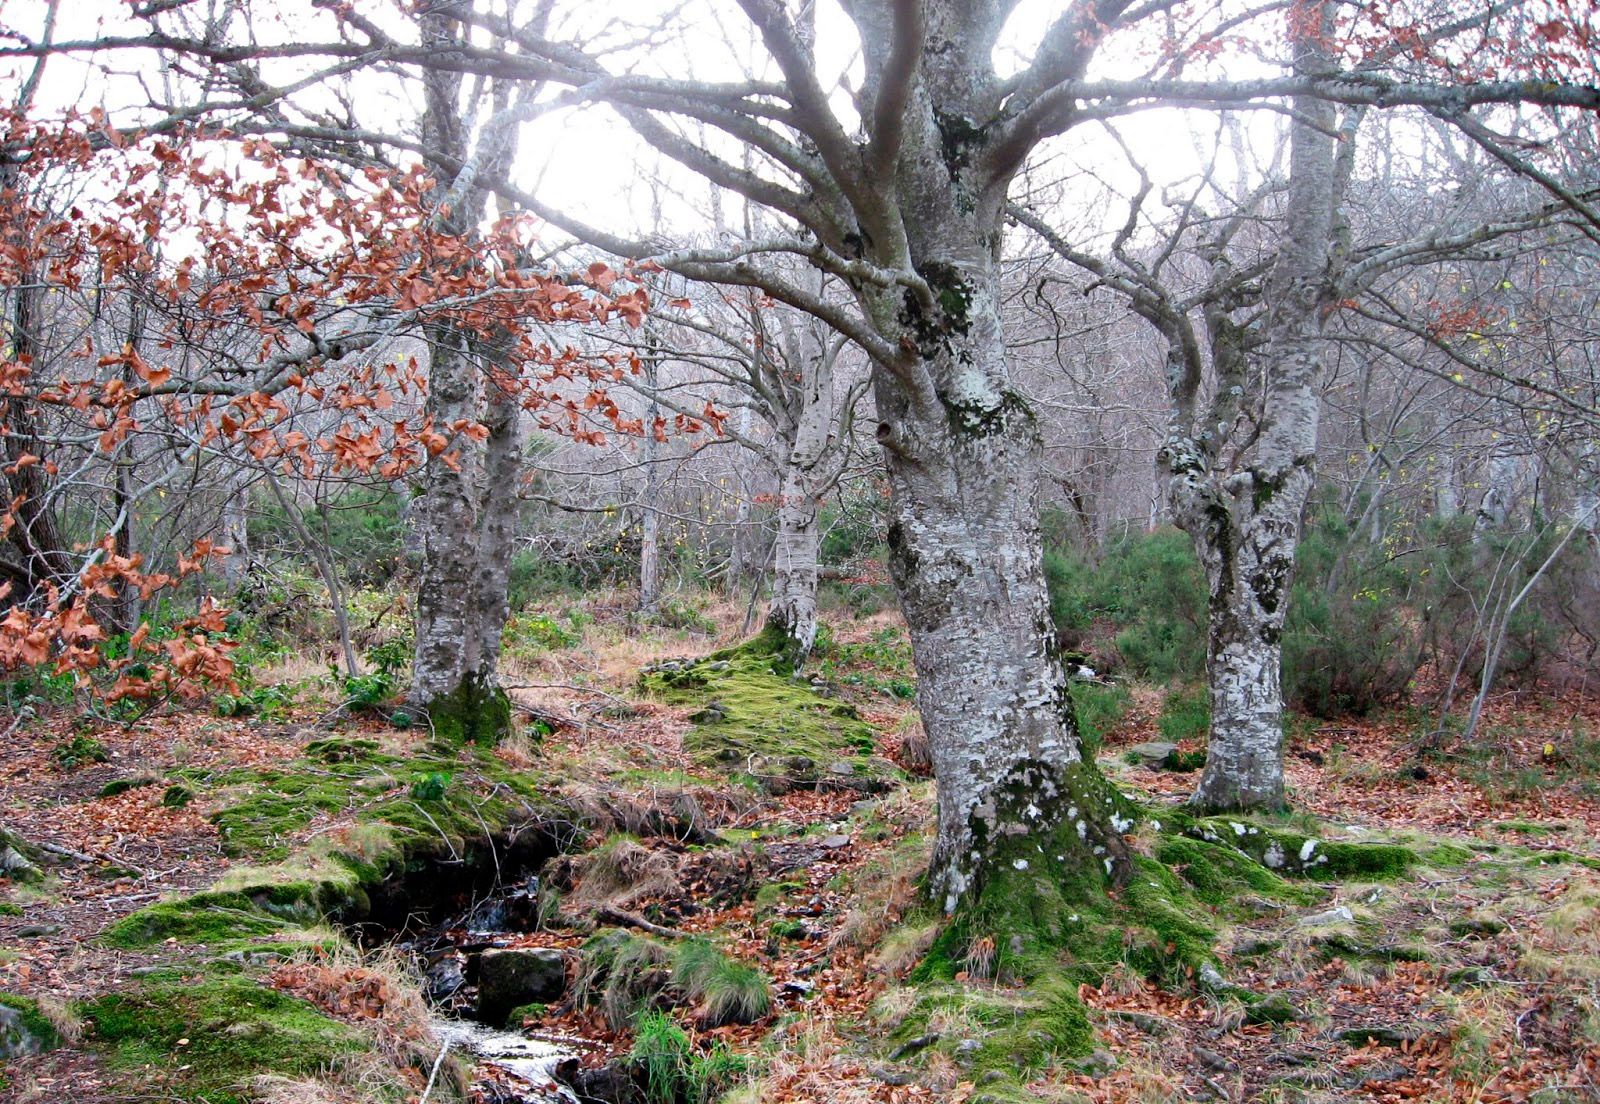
x=1023 y=817
x=1246 y=540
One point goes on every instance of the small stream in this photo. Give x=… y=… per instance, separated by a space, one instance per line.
x=530 y=1062
x=448 y=913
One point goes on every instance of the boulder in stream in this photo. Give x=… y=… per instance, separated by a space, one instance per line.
x=509 y=977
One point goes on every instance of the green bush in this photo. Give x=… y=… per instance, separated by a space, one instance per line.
x=1185 y=714
x=1099 y=706
x=1353 y=643
x=1144 y=604
x=532 y=578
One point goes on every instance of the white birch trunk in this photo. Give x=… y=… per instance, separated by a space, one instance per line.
x=808 y=468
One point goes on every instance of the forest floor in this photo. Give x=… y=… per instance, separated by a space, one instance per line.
x=1471 y=975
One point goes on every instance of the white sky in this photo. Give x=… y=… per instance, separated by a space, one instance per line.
x=585 y=161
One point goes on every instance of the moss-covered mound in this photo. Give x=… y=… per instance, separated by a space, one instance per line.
x=1292 y=853
x=207 y=1038
x=404 y=811
x=754 y=718
x=441 y=791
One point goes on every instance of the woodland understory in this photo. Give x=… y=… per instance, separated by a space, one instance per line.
x=740 y=551
x=188 y=926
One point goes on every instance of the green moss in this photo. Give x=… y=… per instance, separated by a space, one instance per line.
x=1219 y=875
x=123 y=785
x=1275 y=1008
x=1020 y=1032
x=1292 y=853
x=8 y=908
x=525 y=1012
x=215 y=918
x=1447 y=855
x=474 y=712
x=33 y=1022
x=206 y=1039
x=753 y=719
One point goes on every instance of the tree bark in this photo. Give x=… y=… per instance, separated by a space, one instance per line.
x=809 y=465
x=966 y=556
x=1249 y=541
x=466 y=534
x=650 y=523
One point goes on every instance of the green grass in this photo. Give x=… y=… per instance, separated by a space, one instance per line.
x=673 y=1072
x=728 y=991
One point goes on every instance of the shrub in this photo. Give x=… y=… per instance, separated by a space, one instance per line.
x=1099 y=706
x=1144 y=604
x=1185 y=714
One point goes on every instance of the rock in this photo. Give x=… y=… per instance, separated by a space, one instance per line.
x=15 y=1038
x=1469 y=976
x=444 y=979
x=833 y=843
x=1212 y=1060
x=1100 y=1063
x=1339 y=914
x=967 y=1052
x=1255 y=945
x=842 y=767
x=889 y=1075
x=798 y=988
x=612 y=1084
x=1152 y=752
x=1380 y=1034
x=1146 y=1022
x=861 y=808
x=912 y=1046
x=511 y=977
x=1213 y=982
x=1478 y=927
x=1275 y=1008
x=37 y=931
x=989 y=1077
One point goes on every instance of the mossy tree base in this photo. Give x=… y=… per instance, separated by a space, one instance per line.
x=476 y=712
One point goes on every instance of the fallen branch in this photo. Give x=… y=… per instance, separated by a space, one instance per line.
x=634 y=920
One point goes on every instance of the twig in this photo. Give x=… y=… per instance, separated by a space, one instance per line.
x=69 y=853
x=433 y=1074
x=634 y=920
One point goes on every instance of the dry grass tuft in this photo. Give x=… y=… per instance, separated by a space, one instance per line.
x=618 y=873
x=378 y=993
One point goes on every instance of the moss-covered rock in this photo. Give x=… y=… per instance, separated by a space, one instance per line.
x=23 y=1028
x=207 y=1038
